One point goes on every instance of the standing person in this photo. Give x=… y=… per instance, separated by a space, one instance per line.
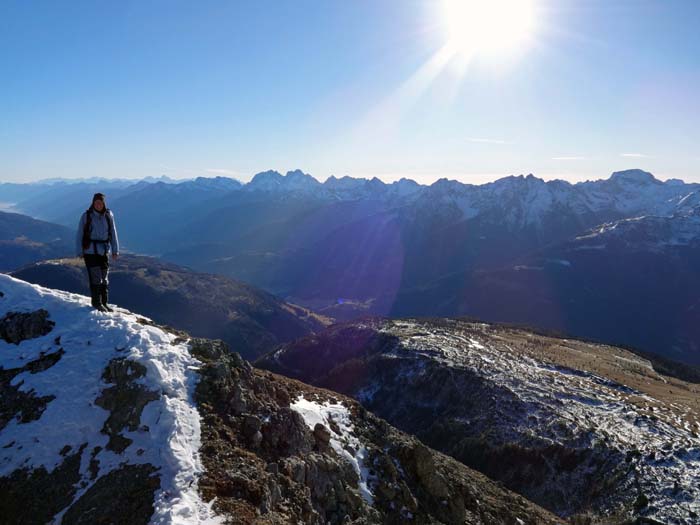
x=97 y=233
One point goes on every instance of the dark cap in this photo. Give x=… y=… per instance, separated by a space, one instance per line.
x=98 y=197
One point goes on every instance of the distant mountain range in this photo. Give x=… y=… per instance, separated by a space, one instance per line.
x=250 y=320
x=63 y=200
x=350 y=247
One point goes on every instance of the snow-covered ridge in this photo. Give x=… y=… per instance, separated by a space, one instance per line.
x=88 y=342
x=530 y=201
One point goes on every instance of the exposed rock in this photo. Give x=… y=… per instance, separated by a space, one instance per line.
x=15 y=327
x=25 y=406
x=19 y=504
x=322 y=435
x=124 y=401
x=120 y=497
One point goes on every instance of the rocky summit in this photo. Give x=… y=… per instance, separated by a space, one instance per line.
x=113 y=419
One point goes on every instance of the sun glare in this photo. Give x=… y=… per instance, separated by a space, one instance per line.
x=488 y=27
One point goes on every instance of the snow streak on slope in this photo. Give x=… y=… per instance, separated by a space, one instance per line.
x=573 y=407
x=649 y=232
x=169 y=435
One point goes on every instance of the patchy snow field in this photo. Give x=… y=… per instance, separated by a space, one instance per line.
x=169 y=435
x=573 y=407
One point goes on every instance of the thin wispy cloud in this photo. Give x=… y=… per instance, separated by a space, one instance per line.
x=478 y=140
x=635 y=155
x=569 y=157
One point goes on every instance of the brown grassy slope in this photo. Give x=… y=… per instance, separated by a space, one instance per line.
x=675 y=401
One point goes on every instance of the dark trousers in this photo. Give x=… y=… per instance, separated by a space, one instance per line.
x=98 y=268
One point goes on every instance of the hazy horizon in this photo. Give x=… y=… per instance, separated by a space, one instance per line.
x=465 y=179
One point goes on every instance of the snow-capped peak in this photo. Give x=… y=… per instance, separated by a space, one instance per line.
x=634 y=176
x=292 y=181
x=265 y=181
x=298 y=180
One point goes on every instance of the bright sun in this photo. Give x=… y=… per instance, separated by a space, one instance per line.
x=488 y=27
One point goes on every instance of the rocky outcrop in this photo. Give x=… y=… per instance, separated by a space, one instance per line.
x=121 y=497
x=16 y=327
x=124 y=401
x=19 y=504
x=264 y=464
x=16 y=403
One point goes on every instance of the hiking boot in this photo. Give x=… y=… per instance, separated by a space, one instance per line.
x=96 y=299
x=104 y=296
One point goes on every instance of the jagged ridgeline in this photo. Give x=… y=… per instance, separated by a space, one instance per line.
x=108 y=418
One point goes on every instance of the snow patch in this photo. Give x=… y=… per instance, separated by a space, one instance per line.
x=314 y=413
x=521 y=267
x=562 y=262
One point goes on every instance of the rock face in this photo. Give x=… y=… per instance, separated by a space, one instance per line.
x=588 y=431
x=113 y=419
x=18 y=501
x=122 y=497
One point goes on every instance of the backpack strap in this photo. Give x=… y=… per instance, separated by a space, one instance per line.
x=108 y=214
x=86 y=228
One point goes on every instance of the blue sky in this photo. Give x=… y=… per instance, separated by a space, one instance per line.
x=139 y=88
